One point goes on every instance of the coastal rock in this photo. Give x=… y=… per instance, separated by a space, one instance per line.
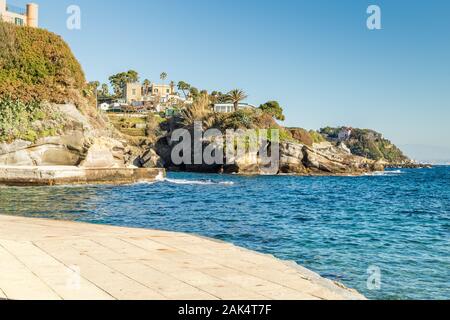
x=317 y=161
x=104 y=153
x=76 y=120
x=150 y=159
x=246 y=164
x=15 y=146
x=16 y=158
x=294 y=158
x=329 y=159
x=291 y=158
x=81 y=144
x=45 y=152
x=378 y=165
x=72 y=149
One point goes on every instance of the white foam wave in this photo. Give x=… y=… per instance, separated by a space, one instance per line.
x=385 y=173
x=198 y=182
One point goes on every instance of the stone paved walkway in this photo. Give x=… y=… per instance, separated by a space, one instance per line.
x=46 y=259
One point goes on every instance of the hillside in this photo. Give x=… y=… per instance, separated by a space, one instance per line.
x=369 y=144
x=48 y=115
x=38 y=71
x=37 y=65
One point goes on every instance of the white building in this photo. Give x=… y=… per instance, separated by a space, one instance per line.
x=229 y=107
x=345 y=134
x=20 y=16
x=104 y=106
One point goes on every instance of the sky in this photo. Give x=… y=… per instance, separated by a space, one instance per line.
x=317 y=58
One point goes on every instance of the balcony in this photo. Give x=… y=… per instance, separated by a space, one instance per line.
x=15 y=9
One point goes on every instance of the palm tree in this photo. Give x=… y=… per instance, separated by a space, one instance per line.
x=235 y=96
x=184 y=87
x=163 y=76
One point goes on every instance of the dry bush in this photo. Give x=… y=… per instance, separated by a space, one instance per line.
x=200 y=110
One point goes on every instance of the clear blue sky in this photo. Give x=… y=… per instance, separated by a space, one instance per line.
x=317 y=58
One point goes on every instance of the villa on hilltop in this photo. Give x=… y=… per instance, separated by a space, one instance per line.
x=158 y=97
x=345 y=134
x=137 y=97
x=153 y=97
x=136 y=92
x=20 y=16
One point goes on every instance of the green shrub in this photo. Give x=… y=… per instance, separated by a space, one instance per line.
x=241 y=119
x=28 y=121
x=316 y=137
x=37 y=65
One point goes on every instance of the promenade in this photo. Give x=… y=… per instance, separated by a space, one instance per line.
x=63 y=260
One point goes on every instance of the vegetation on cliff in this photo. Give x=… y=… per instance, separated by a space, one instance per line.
x=37 y=71
x=369 y=144
x=37 y=65
x=28 y=121
x=306 y=137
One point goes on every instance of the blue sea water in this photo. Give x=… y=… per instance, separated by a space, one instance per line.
x=340 y=227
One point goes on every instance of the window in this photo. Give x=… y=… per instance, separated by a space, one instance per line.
x=156 y=90
x=167 y=90
x=133 y=92
x=18 y=21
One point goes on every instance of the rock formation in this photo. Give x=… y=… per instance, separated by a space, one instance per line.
x=81 y=144
x=294 y=158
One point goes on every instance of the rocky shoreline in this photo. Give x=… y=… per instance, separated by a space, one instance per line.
x=294 y=158
x=65 y=175
x=94 y=150
x=408 y=166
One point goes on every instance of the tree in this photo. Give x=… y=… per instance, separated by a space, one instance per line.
x=146 y=84
x=222 y=98
x=92 y=89
x=235 y=96
x=119 y=80
x=93 y=85
x=163 y=77
x=184 y=87
x=194 y=93
x=273 y=108
x=132 y=76
x=213 y=97
x=104 y=92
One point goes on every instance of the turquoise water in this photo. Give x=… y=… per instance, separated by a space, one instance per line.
x=398 y=221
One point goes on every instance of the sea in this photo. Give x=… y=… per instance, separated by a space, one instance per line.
x=384 y=234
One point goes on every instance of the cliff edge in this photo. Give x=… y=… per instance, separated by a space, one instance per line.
x=48 y=115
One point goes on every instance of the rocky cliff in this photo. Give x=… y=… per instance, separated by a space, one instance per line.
x=78 y=144
x=47 y=116
x=294 y=158
x=367 y=143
